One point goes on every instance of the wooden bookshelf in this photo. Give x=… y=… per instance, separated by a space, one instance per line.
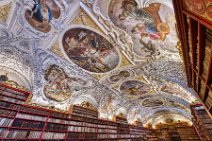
x=202 y=122
x=177 y=132
x=195 y=33
x=21 y=122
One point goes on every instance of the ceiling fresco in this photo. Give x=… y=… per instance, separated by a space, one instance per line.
x=90 y=50
x=133 y=89
x=152 y=28
x=119 y=57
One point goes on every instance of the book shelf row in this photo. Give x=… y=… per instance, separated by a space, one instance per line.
x=202 y=122
x=18 y=121
x=196 y=39
x=22 y=122
x=177 y=131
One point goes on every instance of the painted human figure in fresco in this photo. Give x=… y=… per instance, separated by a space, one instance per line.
x=131 y=11
x=148 y=26
x=134 y=89
x=107 y=108
x=42 y=13
x=60 y=86
x=90 y=50
x=154 y=32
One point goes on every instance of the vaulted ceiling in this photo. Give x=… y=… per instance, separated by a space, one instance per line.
x=120 y=56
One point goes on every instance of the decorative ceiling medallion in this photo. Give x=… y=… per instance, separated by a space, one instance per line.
x=151 y=28
x=90 y=50
x=133 y=89
x=41 y=17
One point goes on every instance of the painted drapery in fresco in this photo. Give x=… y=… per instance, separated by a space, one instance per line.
x=59 y=85
x=90 y=50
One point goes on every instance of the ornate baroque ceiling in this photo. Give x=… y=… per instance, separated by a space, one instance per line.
x=120 y=56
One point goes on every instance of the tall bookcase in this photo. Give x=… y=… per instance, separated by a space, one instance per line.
x=194 y=24
x=202 y=122
x=19 y=121
x=177 y=132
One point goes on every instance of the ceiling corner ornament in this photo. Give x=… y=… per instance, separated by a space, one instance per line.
x=4 y=12
x=7 y=8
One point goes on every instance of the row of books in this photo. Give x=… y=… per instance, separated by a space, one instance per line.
x=5 y=121
x=6 y=112
x=77 y=110
x=32 y=110
x=12 y=100
x=7 y=94
x=27 y=122
x=59 y=121
x=208 y=101
x=9 y=105
x=30 y=117
x=202 y=89
x=106 y=126
x=18 y=134
x=56 y=127
x=59 y=115
x=107 y=131
x=92 y=130
x=13 y=91
x=21 y=123
x=75 y=129
x=202 y=122
x=190 y=43
x=206 y=60
x=121 y=120
x=53 y=135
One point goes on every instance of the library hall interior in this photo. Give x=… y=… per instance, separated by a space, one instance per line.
x=105 y=70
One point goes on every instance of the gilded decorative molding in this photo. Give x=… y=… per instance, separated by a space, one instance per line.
x=84 y=19
x=4 y=13
x=55 y=48
x=202 y=8
x=179 y=47
x=88 y=105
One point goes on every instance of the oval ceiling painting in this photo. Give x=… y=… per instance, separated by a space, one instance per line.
x=151 y=28
x=90 y=50
x=42 y=13
x=134 y=89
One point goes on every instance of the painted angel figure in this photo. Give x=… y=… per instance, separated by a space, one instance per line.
x=41 y=11
x=44 y=12
x=40 y=16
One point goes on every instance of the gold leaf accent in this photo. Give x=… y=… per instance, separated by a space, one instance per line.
x=4 y=13
x=57 y=50
x=84 y=19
